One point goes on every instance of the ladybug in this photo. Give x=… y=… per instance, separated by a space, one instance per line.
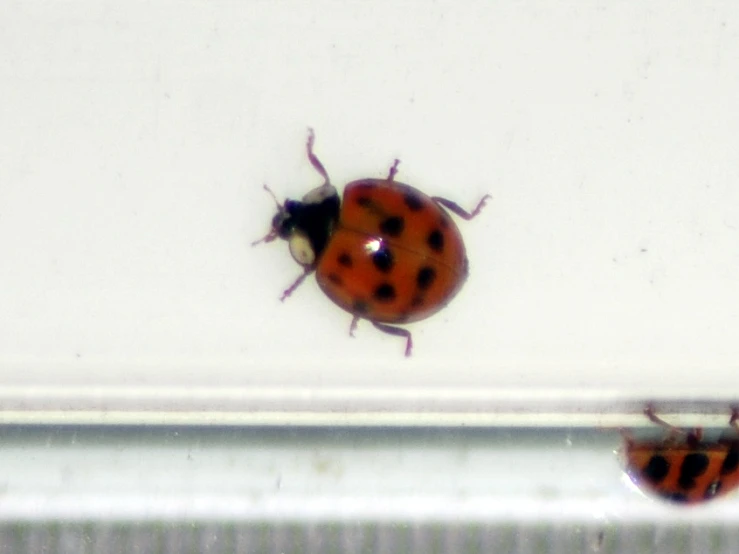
x=682 y=467
x=387 y=253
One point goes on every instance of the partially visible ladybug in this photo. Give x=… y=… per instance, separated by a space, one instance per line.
x=682 y=467
x=389 y=254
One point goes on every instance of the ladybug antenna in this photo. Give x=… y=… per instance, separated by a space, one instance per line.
x=272 y=235
x=272 y=194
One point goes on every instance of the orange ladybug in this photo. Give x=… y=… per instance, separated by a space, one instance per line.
x=389 y=253
x=683 y=467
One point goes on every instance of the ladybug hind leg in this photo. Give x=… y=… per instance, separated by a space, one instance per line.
x=457 y=209
x=398 y=332
x=389 y=329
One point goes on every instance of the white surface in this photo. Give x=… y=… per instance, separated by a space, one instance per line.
x=441 y=476
x=136 y=137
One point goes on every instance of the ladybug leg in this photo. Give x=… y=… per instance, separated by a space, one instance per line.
x=693 y=436
x=314 y=161
x=269 y=237
x=457 y=209
x=734 y=421
x=730 y=439
x=353 y=325
x=393 y=170
x=654 y=418
x=289 y=290
x=398 y=332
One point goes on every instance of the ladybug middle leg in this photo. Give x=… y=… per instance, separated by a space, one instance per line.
x=398 y=332
x=299 y=281
x=457 y=209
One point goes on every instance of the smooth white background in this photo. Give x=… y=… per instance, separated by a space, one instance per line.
x=135 y=138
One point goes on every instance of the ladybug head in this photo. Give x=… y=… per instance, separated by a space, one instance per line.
x=284 y=221
x=306 y=224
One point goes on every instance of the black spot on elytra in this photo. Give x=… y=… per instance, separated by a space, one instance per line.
x=360 y=307
x=413 y=201
x=335 y=279
x=693 y=465
x=383 y=259
x=364 y=201
x=384 y=293
x=731 y=462
x=435 y=240
x=425 y=277
x=345 y=260
x=392 y=226
x=674 y=497
x=656 y=470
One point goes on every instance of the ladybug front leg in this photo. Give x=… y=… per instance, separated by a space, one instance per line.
x=289 y=290
x=457 y=209
x=315 y=162
x=693 y=437
x=398 y=332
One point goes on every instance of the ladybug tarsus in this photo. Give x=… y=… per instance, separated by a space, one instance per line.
x=398 y=332
x=393 y=170
x=353 y=325
x=314 y=161
x=299 y=281
x=457 y=209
